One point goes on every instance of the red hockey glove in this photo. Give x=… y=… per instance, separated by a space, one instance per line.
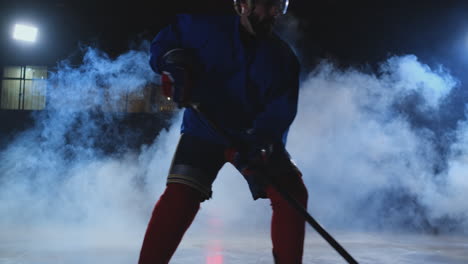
x=167 y=84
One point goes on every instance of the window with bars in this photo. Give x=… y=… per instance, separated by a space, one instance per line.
x=24 y=88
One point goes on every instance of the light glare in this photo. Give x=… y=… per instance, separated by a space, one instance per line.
x=25 y=33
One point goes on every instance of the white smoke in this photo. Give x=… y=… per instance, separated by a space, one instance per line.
x=453 y=195
x=406 y=74
x=55 y=176
x=364 y=163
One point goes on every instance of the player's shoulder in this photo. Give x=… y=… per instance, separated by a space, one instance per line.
x=205 y=20
x=196 y=29
x=285 y=49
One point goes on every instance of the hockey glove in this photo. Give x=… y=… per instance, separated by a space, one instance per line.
x=178 y=72
x=249 y=155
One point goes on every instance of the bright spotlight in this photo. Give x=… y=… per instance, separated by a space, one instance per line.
x=26 y=33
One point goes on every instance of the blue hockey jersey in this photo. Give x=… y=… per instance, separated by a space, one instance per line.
x=241 y=85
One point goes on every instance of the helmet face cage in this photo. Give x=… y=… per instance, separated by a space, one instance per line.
x=238 y=8
x=282 y=5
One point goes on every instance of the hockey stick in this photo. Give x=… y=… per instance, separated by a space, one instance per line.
x=293 y=202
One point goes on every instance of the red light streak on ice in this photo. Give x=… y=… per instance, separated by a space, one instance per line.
x=214 y=254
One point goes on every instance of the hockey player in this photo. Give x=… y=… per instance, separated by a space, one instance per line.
x=233 y=74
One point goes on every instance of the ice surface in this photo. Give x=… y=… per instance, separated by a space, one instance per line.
x=235 y=249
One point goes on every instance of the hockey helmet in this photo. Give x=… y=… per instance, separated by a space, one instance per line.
x=281 y=4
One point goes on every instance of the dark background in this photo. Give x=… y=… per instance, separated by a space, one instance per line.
x=351 y=33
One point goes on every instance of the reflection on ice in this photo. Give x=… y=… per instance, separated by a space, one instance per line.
x=218 y=248
x=214 y=252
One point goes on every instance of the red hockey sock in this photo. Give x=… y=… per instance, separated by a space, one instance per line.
x=287 y=225
x=172 y=216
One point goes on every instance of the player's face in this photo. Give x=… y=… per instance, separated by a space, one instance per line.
x=267 y=8
x=264 y=16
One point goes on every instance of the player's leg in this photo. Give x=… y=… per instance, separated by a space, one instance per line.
x=287 y=225
x=172 y=216
x=193 y=170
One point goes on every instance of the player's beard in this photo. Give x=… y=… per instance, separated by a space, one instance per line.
x=262 y=28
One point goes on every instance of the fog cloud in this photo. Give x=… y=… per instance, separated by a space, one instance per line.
x=365 y=164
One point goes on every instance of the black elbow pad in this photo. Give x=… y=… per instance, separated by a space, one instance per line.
x=177 y=59
x=180 y=65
